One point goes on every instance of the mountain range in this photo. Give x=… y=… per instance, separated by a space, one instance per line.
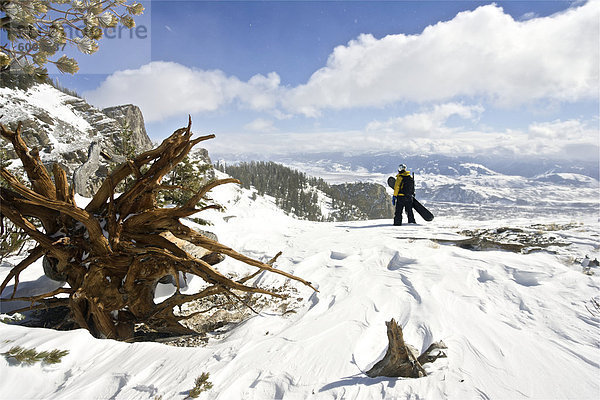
x=439 y=164
x=453 y=185
x=87 y=142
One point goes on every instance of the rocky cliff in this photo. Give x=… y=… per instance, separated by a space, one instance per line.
x=371 y=198
x=130 y=117
x=84 y=140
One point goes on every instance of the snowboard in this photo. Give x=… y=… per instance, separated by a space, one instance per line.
x=418 y=207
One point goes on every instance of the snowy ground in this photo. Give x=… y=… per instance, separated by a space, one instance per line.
x=517 y=326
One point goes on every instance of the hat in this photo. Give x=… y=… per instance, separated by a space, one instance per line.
x=401 y=167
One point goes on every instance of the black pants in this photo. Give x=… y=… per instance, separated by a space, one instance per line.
x=404 y=202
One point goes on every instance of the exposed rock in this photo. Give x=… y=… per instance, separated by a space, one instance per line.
x=518 y=240
x=130 y=117
x=85 y=141
x=371 y=198
x=33 y=134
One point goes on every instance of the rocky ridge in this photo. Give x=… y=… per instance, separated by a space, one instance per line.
x=84 y=140
x=371 y=198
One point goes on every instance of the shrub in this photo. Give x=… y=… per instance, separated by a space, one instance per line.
x=31 y=356
x=202 y=384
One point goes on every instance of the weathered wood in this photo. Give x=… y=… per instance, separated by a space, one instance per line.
x=401 y=359
x=13 y=214
x=62 y=185
x=186 y=233
x=114 y=252
x=36 y=172
x=14 y=272
x=97 y=239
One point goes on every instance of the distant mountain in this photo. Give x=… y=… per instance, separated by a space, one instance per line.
x=387 y=162
x=566 y=179
x=465 y=180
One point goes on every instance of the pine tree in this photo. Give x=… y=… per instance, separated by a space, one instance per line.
x=36 y=30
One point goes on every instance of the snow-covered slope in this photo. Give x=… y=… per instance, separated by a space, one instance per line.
x=69 y=131
x=476 y=185
x=517 y=326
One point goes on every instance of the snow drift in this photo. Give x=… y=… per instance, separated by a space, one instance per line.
x=516 y=325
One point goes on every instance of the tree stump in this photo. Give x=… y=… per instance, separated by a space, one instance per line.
x=401 y=359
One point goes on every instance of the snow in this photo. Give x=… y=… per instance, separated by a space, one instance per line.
x=516 y=325
x=66 y=126
x=46 y=98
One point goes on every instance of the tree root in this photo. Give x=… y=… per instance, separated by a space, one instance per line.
x=114 y=252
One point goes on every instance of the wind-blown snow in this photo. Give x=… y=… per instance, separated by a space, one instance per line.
x=48 y=99
x=516 y=325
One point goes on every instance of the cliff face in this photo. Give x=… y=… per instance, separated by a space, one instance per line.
x=130 y=117
x=371 y=198
x=84 y=140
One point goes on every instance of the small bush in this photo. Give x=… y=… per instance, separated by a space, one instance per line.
x=202 y=384
x=31 y=356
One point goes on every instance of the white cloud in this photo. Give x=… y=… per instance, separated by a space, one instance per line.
x=164 y=89
x=427 y=123
x=570 y=139
x=260 y=93
x=561 y=130
x=481 y=53
x=260 y=125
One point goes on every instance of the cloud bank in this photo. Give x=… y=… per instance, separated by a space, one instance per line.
x=429 y=131
x=483 y=54
x=427 y=123
x=165 y=89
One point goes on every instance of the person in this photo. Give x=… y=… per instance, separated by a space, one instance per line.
x=404 y=191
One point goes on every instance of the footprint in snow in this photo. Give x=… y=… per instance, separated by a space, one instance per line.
x=485 y=276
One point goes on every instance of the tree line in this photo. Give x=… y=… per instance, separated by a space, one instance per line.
x=305 y=196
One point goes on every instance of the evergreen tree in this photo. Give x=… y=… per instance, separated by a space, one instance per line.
x=186 y=178
x=296 y=193
x=37 y=29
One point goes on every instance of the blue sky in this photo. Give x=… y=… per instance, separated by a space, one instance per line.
x=293 y=38
x=516 y=78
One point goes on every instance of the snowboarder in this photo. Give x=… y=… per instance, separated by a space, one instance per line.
x=404 y=192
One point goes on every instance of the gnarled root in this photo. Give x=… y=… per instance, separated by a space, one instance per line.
x=114 y=252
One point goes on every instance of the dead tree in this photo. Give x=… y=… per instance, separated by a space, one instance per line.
x=113 y=252
x=401 y=359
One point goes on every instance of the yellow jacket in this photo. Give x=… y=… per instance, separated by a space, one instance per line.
x=399 y=186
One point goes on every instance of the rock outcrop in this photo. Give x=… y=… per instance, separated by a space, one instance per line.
x=84 y=140
x=371 y=198
x=130 y=117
